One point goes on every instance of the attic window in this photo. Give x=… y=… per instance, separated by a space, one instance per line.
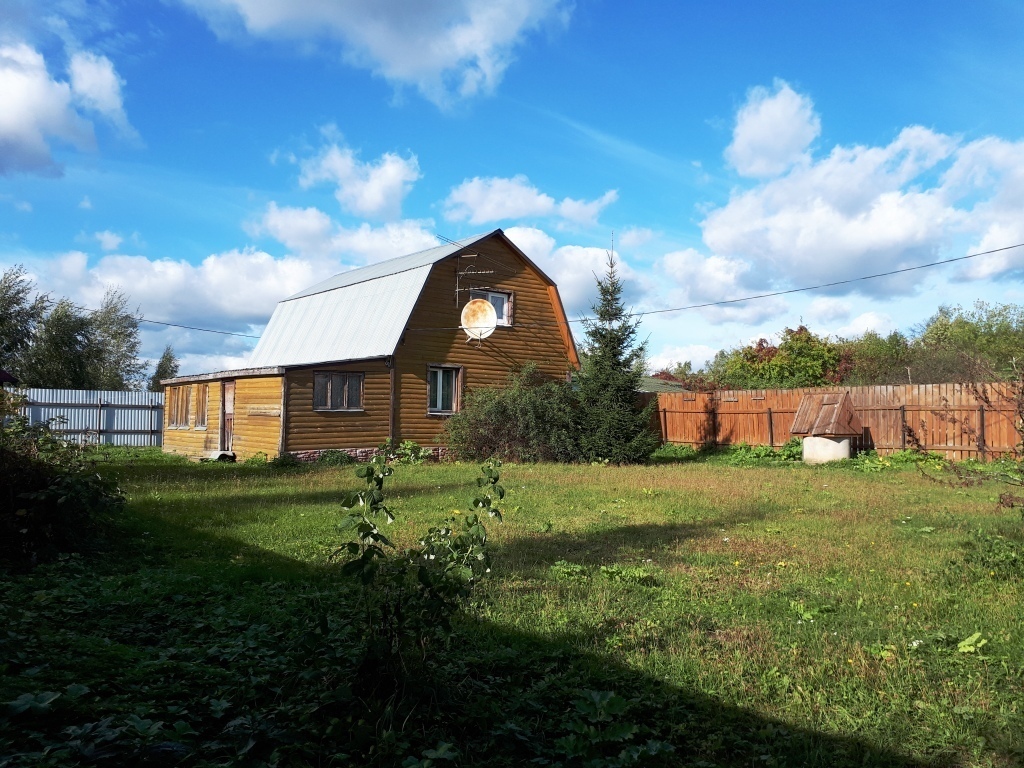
x=337 y=391
x=500 y=300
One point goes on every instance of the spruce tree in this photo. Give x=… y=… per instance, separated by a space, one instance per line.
x=166 y=368
x=611 y=423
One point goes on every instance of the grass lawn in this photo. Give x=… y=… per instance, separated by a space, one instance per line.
x=737 y=616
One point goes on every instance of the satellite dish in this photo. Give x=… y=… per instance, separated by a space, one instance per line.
x=479 y=319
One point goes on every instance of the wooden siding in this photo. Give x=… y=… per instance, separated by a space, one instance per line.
x=258 y=408
x=433 y=336
x=195 y=441
x=946 y=418
x=311 y=430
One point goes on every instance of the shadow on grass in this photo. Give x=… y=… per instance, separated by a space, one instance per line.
x=530 y=554
x=501 y=697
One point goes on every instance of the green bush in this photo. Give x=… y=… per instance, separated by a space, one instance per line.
x=673 y=452
x=406 y=452
x=335 y=458
x=529 y=419
x=51 y=499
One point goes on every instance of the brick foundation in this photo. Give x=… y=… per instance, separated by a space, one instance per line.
x=430 y=453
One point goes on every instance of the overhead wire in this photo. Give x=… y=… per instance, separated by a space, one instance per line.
x=754 y=297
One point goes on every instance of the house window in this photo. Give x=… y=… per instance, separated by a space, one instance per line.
x=202 y=401
x=442 y=389
x=337 y=391
x=500 y=300
x=177 y=405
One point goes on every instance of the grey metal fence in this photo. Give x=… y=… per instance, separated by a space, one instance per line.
x=99 y=416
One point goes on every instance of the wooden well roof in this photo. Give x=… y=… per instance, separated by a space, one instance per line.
x=826 y=414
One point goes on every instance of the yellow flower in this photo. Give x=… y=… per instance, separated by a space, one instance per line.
x=737 y=562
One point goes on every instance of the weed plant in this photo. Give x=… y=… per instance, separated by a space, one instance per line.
x=680 y=615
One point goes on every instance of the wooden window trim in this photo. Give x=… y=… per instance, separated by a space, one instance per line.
x=346 y=374
x=202 y=406
x=178 y=407
x=460 y=379
x=509 y=304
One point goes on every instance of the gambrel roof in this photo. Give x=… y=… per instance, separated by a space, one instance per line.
x=358 y=314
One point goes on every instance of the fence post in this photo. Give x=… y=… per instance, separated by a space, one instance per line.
x=981 y=431
x=99 y=418
x=771 y=430
x=903 y=427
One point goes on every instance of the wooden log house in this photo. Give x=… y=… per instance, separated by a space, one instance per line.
x=375 y=353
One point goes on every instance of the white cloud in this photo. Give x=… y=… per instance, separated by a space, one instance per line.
x=39 y=109
x=483 y=200
x=446 y=50
x=85 y=203
x=312 y=234
x=827 y=309
x=857 y=211
x=109 y=241
x=373 y=189
x=96 y=86
x=700 y=279
x=635 y=237
x=879 y=322
x=773 y=131
x=574 y=268
x=668 y=356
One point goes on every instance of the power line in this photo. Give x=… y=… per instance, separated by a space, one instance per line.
x=194 y=328
x=764 y=295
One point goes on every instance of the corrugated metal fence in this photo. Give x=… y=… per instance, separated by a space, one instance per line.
x=947 y=418
x=99 y=416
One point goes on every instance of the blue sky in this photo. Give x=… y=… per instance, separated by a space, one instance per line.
x=209 y=157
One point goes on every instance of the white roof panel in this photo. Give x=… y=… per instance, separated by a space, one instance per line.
x=325 y=324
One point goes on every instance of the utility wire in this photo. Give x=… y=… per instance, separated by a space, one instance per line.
x=758 y=295
x=194 y=328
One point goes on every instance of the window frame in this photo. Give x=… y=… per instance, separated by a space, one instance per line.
x=486 y=293
x=332 y=377
x=202 y=405
x=458 y=373
x=179 y=398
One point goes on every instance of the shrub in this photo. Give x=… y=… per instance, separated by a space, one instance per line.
x=406 y=452
x=258 y=459
x=51 y=499
x=673 y=452
x=530 y=419
x=335 y=458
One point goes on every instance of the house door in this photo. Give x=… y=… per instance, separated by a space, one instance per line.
x=227 y=421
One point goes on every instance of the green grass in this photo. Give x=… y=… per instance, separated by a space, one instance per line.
x=780 y=615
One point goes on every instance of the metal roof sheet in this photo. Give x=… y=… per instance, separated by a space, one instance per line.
x=364 y=320
x=389 y=267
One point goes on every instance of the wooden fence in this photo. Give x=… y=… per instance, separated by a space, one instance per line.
x=947 y=418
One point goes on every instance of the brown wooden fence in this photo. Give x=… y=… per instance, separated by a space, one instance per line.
x=946 y=418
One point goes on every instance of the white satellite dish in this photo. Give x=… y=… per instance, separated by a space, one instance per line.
x=479 y=319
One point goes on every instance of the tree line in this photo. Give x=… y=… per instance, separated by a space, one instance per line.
x=983 y=343
x=55 y=344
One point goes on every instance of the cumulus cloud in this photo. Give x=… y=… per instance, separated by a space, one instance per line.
x=856 y=211
x=828 y=309
x=574 y=269
x=483 y=200
x=109 y=241
x=446 y=50
x=97 y=86
x=374 y=189
x=773 y=130
x=312 y=234
x=701 y=279
x=634 y=237
x=39 y=109
x=696 y=354
x=879 y=322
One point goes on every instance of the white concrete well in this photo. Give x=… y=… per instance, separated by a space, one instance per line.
x=819 y=450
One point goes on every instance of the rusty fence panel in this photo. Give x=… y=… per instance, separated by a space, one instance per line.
x=946 y=418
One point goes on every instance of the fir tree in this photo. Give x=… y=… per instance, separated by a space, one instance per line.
x=611 y=423
x=166 y=368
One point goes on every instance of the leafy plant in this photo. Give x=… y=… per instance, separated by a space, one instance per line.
x=258 y=459
x=335 y=458
x=406 y=452
x=51 y=499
